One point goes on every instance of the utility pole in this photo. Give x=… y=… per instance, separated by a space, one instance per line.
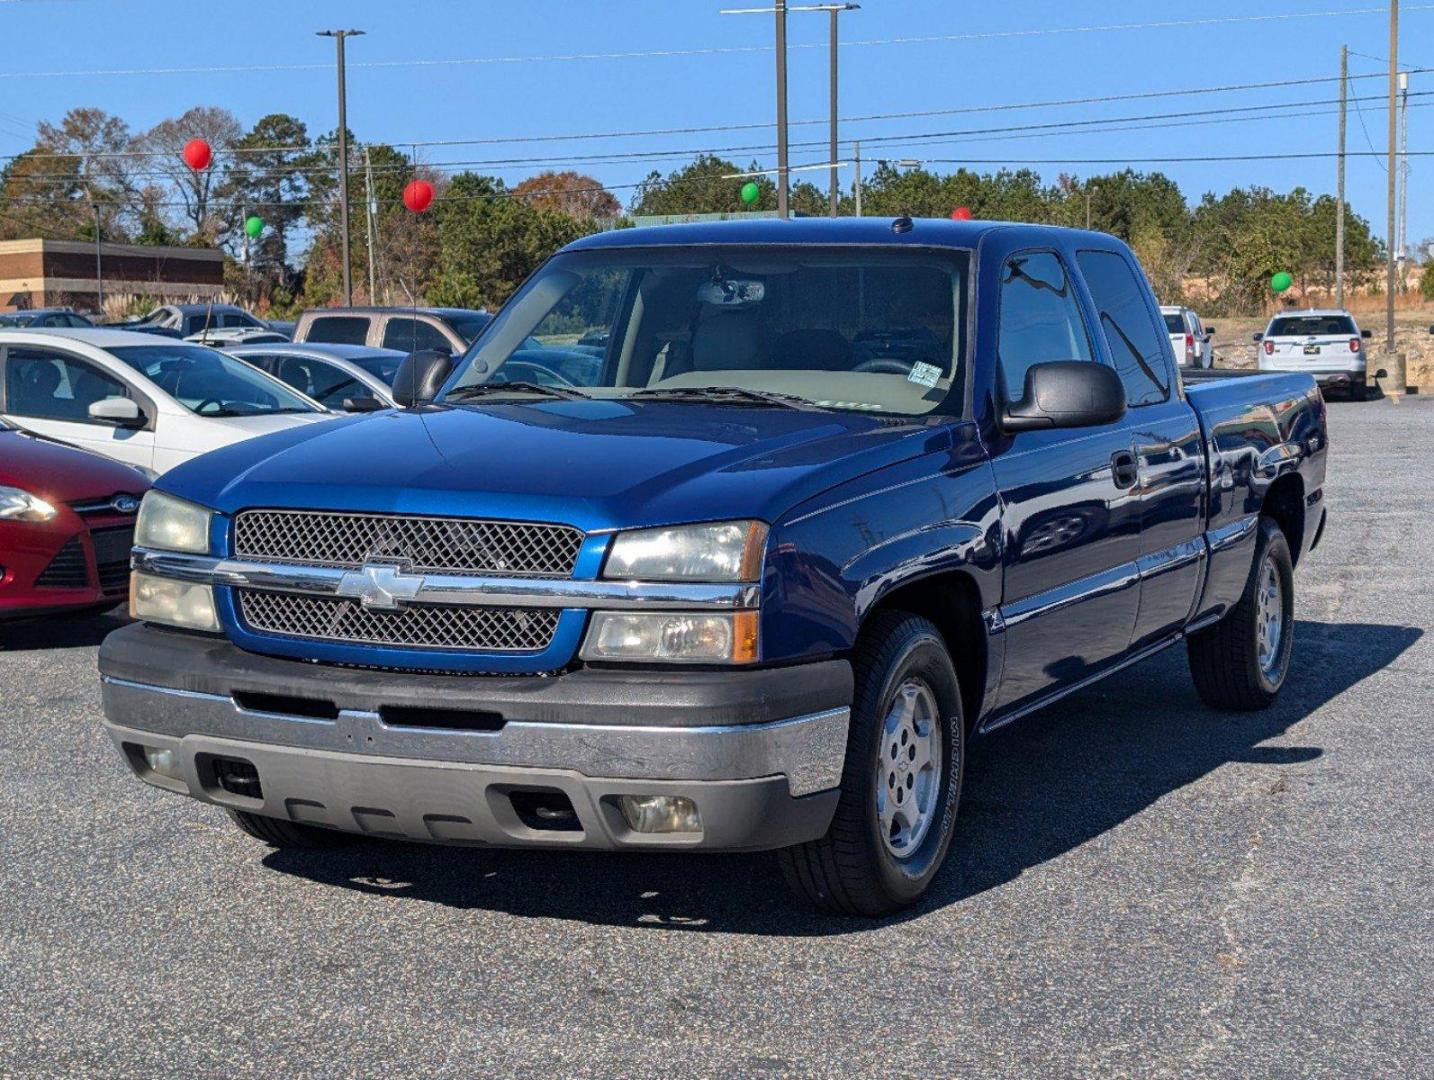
x=1087 y=206
x=856 y=184
x=99 y=265
x=835 y=10
x=1393 y=176
x=1339 y=198
x=783 y=210
x=339 y=37
x=370 y=210
x=1403 y=176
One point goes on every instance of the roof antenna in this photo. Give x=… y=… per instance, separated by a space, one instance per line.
x=903 y=224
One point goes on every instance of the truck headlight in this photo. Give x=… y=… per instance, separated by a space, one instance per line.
x=727 y=551
x=174 y=603
x=169 y=524
x=669 y=637
x=17 y=504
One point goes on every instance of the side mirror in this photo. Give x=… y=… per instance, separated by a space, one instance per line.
x=119 y=411
x=1366 y=334
x=1210 y=332
x=1257 y=337
x=1067 y=394
x=362 y=404
x=1381 y=374
x=420 y=376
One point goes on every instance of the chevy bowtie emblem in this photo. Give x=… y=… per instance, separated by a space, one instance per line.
x=380 y=585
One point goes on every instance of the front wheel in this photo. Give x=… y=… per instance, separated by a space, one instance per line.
x=1240 y=663
x=901 y=783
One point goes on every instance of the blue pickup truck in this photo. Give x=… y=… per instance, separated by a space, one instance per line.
x=831 y=499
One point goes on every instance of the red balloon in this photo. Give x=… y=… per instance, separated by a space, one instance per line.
x=418 y=195
x=961 y=213
x=197 y=154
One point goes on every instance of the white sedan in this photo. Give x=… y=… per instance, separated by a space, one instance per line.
x=147 y=401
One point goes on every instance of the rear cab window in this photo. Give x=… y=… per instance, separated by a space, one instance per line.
x=338 y=330
x=1138 y=346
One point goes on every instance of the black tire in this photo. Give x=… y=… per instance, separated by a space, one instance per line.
x=289 y=834
x=852 y=869
x=1359 y=390
x=1225 y=659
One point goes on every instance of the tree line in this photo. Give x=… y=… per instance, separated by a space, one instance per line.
x=90 y=172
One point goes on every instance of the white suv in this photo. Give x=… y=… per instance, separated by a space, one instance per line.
x=1189 y=337
x=1326 y=343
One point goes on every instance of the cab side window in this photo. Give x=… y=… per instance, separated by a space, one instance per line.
x=53 y=386
x=1137 y=345
x=1040 y=319
x=411 y=335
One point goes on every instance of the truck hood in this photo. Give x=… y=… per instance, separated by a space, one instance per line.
x=593 y=464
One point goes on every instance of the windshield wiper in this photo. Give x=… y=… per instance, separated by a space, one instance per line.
x=734 y=395
x=563 y=393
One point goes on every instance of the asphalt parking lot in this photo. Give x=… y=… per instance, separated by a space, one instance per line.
x=1139 y=887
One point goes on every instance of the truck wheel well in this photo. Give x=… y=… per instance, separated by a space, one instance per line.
x=953 y=603
x=1285 y=505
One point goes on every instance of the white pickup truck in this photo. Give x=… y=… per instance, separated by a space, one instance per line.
x=1324 y=343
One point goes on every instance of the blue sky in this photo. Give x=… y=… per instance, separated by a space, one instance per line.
x=1019 y=60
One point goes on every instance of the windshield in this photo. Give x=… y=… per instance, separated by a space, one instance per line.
x=380 y=365
x=468 y=327
x=839 y=327
x=210 y=383
x=1174 y=323
x=1313 y=326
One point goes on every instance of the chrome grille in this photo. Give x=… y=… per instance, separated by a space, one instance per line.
x=434 y=545
x=427 y=626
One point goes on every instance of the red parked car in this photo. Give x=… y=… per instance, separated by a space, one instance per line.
x=66 y=526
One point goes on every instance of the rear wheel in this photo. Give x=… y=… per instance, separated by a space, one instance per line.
x=289 y=834
x=1240 y=663
x=901 y=783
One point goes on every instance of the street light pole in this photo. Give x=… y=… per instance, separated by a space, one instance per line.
x=783 y=210
x=1390 y=277
x=339 y=37
x=835 y=10
x=1339 y=199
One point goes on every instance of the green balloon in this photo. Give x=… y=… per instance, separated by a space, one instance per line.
x=751 y=192
x=253 y=226
x=1281 y=281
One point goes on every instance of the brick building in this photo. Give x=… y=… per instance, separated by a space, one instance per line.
x=58 y=273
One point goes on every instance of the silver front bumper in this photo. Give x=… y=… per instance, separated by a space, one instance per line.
x=757 y=785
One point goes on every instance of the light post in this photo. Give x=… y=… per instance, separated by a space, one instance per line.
x=780 y=10
x=339 y=37
x=834 y=10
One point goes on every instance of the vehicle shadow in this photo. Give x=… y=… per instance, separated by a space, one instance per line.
x=61 y=631
x=1033 y=791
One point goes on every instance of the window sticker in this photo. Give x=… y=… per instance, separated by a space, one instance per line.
x=923 y=374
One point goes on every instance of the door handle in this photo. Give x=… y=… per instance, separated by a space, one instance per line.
x=1123 y=469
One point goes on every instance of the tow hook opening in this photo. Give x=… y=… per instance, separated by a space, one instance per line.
x=235 y=776
x=545 y=810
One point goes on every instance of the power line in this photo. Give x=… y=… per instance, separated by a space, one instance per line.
x=1165 y=24
x=238 y=151
x=1147 y=121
